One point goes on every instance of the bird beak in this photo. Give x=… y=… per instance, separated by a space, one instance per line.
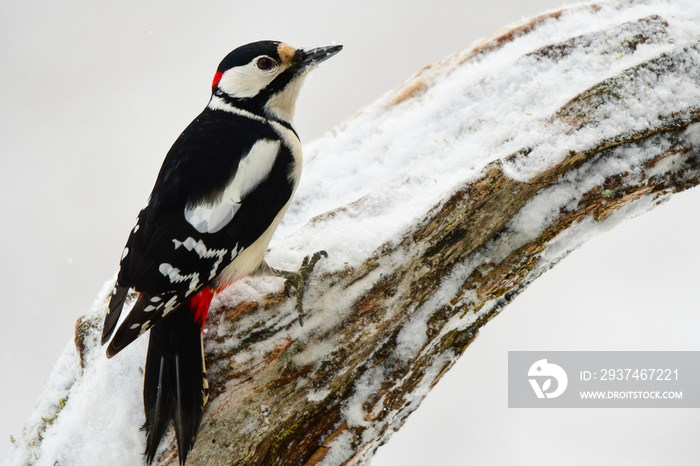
x=308 y=58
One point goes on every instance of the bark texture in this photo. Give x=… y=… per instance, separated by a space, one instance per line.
x=394 y=325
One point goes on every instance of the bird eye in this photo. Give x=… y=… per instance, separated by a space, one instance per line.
x=265 y=63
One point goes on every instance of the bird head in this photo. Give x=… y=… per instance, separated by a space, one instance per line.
x=265 y=77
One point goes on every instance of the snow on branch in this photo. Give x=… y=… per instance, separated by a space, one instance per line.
x=437 y=205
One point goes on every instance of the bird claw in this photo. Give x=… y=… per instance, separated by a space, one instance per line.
x=297 y=280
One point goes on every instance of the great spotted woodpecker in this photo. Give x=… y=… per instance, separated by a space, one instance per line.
x=221 y=193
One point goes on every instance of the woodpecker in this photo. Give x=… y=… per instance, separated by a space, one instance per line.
x=221 y=192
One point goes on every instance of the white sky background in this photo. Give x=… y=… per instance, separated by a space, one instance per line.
x=92 y=97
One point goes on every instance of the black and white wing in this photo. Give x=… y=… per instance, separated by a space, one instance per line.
x=221 y=186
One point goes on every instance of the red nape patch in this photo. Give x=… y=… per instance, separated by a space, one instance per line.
x=217 y=78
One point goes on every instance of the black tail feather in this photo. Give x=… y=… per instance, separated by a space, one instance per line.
x=175 y=384
x=158 y=420
x=116 y=303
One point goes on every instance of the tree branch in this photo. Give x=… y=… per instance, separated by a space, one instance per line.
x=384 y=332
x=613 y=132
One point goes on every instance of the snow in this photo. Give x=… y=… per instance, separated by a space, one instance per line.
x=103 y=399
x=366 y=386
x=378 y=174
x=489 y=108
x=318 y=395
x=340 y=450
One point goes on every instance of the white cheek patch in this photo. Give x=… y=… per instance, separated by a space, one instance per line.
x=246 y=81
x=252 y=170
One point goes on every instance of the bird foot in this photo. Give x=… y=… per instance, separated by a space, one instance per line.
x=297 y=280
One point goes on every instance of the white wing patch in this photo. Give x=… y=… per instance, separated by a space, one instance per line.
x=173 y=273
x=252 y=170
x=204 y=253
